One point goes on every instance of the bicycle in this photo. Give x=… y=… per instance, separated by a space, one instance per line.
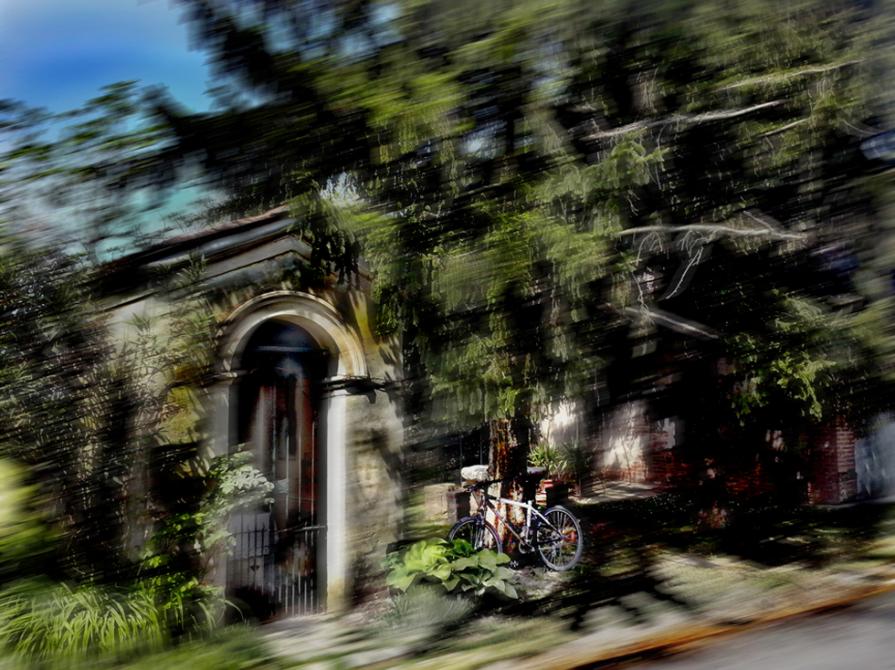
x=554 y=534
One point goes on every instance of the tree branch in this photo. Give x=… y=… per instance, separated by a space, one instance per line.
x=717 y=228
x=786 y=76
x=783 y=129
x=692 y=119
x=674 y=322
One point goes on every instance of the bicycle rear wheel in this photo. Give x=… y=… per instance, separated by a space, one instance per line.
x=560 y=544
x=478 y=532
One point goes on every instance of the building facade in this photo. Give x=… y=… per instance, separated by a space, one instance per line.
x=299 y=380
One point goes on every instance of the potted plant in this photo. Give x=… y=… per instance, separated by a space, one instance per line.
x=578 y=462
x=552 y=460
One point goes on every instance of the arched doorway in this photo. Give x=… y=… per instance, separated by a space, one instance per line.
x=277 y=564
x=343 y=362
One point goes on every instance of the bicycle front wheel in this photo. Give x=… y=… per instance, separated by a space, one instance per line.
x=560 y=543
x=478 y=532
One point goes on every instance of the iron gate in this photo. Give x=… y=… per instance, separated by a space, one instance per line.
x=276 y=569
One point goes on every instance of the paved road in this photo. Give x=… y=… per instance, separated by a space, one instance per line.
x=859 y=638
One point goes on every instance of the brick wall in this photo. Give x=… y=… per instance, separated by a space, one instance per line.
x=637 y=450
x=664 y=465
x=833 y=478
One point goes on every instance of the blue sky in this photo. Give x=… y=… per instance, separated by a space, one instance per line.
x=58 y=53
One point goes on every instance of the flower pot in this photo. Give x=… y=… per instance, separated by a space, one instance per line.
x=543 y=487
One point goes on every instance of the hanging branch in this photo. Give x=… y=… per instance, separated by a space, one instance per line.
x=695 y=240
x=676 y=323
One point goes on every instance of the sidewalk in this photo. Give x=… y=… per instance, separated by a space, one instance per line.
x=664 y=639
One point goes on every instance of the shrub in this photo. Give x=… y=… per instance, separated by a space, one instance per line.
x=27 y=540
x=455 y=566
x=179 y=552
x=236 y=484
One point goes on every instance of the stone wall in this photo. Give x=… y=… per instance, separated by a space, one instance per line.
x=374 y=488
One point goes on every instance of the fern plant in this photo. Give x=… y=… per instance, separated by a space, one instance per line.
x=579 y=461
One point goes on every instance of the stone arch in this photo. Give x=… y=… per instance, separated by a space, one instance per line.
x=317 y=317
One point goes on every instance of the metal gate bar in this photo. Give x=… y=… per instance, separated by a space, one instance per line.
x=279 y=565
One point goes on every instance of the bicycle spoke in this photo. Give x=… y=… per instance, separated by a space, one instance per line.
x=558 y=541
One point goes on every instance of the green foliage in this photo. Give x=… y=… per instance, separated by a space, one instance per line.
x=536 y=186
x=579 y=461
x=569 y=461
x=236 y=484
x=480 y=572
x=802 y=365
x=64 y=162
x=456 y=566
x=551 y=458
x=26 y=537
x=81 y=418
x=58 y=624
x=427 y=606
x=68 y=405
x=176 y=558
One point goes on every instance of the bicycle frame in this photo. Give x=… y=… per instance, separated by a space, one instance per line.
x=527 y=505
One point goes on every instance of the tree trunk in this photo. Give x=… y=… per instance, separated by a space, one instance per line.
x=508 y=462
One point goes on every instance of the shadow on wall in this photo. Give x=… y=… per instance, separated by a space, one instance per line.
x=625 y=440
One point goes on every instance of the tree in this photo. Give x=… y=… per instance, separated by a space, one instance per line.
x=538 y=185
x=67 y=408
x=62 y=175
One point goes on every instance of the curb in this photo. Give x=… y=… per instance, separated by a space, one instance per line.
x=688 y=638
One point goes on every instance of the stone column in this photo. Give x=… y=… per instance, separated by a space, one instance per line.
x=333 y=411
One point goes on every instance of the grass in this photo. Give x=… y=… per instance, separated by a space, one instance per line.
x=489 y=640
x=53 y=625
x=760 y=532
